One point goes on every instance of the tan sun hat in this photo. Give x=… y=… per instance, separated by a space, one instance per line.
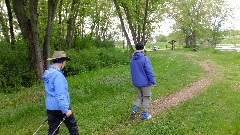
x=58 y=55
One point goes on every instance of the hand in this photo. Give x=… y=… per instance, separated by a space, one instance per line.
x=69 y=113
x=153 y=85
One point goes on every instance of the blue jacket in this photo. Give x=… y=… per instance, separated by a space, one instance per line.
x=56 y=88
x=141 y=70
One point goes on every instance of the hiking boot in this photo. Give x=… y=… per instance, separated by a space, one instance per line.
x=134 y=111
x=146 y=116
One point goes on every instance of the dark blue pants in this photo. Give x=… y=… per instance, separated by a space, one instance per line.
x=54 y=119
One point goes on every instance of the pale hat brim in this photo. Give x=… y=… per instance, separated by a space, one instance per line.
x=58 y=55
x=66 y=58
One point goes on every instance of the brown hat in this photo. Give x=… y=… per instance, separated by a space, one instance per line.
x=58 y=55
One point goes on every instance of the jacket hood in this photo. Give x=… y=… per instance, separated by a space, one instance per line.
x=48 y=73
x=138 y=55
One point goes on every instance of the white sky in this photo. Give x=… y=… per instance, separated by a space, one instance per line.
x=234 y=23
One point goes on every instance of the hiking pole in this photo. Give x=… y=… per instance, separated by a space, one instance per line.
x=59 y=125
x=41 y=125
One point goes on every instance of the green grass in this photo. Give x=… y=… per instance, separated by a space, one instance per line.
x=101 y=100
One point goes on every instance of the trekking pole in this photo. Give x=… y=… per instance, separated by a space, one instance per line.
x=59 y=125
x=41 y=125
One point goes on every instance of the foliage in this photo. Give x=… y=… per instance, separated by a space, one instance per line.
x=139 y=18
x=88 y=42
x=197 y=19
x=89 y=54
x=177 y=36
x=161 y=38
x=231 y=37
x=93 y=59
x=15 y=71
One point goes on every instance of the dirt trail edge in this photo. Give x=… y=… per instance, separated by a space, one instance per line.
x=160 y=105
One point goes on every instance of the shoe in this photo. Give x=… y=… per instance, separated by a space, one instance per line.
x=134 y=114
x=134 y=111
x=146 y=116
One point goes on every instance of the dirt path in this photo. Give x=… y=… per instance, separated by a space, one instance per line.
x=160 y=105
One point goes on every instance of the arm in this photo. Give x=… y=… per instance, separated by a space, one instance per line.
x=149 y=72
x=61 y=93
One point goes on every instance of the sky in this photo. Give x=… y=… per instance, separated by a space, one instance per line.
x=232 y=23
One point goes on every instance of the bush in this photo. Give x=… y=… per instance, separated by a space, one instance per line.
x=15 y=70
x=90 y=54
x=93 y=59
x=89 y=42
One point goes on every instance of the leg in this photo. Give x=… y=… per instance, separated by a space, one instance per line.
x=146 y=102
x=71 y=124
x=139 y=99
x=53 y=121
x=146 y=98
x=137 y=103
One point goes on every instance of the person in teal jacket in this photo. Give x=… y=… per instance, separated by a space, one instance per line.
x=143 y=79
x=57 y=96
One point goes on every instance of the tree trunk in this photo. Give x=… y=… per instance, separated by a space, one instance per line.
x=138 y=25
x=27 y=18
x=10 y=21
x=145 y=22
x=82 y=27
x=194 y=38
x=130 y=23
x=52 y=6
x=71 y=23
x=60 y=36
x=38 y=61
x=122 y=25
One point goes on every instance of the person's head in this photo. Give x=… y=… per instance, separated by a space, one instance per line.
x=59 y=59
x=139 y=47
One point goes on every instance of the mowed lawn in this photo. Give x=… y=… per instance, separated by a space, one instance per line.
x=102 y=100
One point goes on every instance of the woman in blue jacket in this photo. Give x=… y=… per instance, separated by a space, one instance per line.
x=143 y=79
x=57 y=96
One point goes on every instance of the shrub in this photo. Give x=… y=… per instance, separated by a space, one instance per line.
x=14 y=67
x=89 y=42
x=93 y=59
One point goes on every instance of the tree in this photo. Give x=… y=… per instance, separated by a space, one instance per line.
x=71 y=22
x=100 y=16
x=10 y=21
x=122 y=24
x=3 y=24
x=52 y=6
x=27 y=16
x=161 y=38
x=139 y=16
x=195 y=16
x=219 y=17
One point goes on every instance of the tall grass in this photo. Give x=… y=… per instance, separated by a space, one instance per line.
x=102 y=99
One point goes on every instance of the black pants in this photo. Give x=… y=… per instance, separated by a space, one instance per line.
x=54 y=119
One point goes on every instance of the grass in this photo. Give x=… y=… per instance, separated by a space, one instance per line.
x=101 y=100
